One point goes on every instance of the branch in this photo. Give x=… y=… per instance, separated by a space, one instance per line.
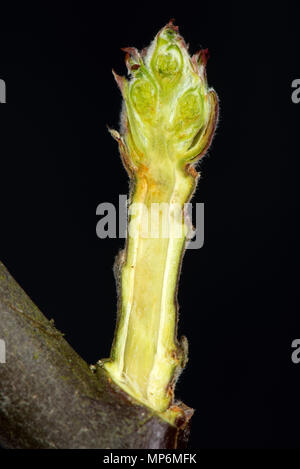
x=50 y=398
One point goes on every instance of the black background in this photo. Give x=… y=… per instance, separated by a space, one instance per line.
x=238 y=295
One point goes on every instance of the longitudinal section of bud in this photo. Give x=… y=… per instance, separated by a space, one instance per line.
x=167 y=123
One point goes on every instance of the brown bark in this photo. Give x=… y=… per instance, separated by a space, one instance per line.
x=50 y=398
